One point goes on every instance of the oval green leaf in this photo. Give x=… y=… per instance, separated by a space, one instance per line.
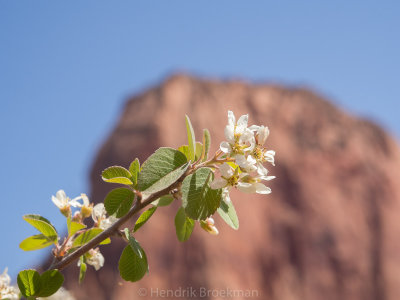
x=228 y=213
x=163 y=201
x=131 y=266
x=36 y=242
x=119 y=201
x=191 y=139
x=206 y=144
x=73 y=227
x=144 y=217
x=88 y=235
x=133 y=243
x=199 y=150
x=117 y=174
x=29 y=283
x=183 y=225
x=43 y=225
x=163 y=168
x=50 y=282
x=198 y=199
x=134 y=169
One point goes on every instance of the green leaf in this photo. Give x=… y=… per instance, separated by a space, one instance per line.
x=228 y=213
x=134 y=169
x=206 y=144
x=74 y=227
x=163 y=201
x=183 y=225
x=199 y=151
x=161 y=169
x=82 y=270
x=43 y=225
x=198 y=199
x=88 y=235
x=50 y=282
x=117 y=174
x=29 y=283
x=119 y=201
x=185 y=150
x=36 y=242
x=133 y=242
x=144 y=217
x=132 y=267
x=191 y=139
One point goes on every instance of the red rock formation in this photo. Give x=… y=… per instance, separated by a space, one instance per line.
x=329 y=230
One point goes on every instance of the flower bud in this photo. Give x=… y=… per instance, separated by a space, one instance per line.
x=77 y=217
x=208 y=225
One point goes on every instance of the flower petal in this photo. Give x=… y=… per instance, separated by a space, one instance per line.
x=242 y=124
x=246 y=187
x=61 y=196
x=262 y=189
x=75 y=203
x=226 y=170
x=57 y=202
x=229 y=132
x=270 y=156
x=261 y=169
x=85 y=199
x=247 y=136
x=225 y=147
x=231 y=118
x=254 y=127
x=98 y=212
x=218 y=183
x=262 y=134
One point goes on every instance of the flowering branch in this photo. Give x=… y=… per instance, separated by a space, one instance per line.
x=139 y=205
x=184 y=174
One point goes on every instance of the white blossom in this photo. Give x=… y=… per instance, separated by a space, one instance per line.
x=239 y=137
x=6 y=290
x=62 y=201
x=99 y=216
x=254 y=185
x=229 y=178
x=259 y=152
x=94 y=258
x=247 y=164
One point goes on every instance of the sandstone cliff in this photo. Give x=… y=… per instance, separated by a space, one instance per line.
x=329 y=230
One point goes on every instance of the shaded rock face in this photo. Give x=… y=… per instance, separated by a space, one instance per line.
x=329 y=230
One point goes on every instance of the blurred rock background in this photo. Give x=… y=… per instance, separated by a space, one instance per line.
x=329 y=230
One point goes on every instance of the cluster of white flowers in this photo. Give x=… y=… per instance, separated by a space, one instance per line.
x=244 y=155
x=99 y=216
x=7 y=291
x=97 y=212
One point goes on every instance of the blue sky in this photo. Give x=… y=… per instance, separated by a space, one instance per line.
x=66 y=68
